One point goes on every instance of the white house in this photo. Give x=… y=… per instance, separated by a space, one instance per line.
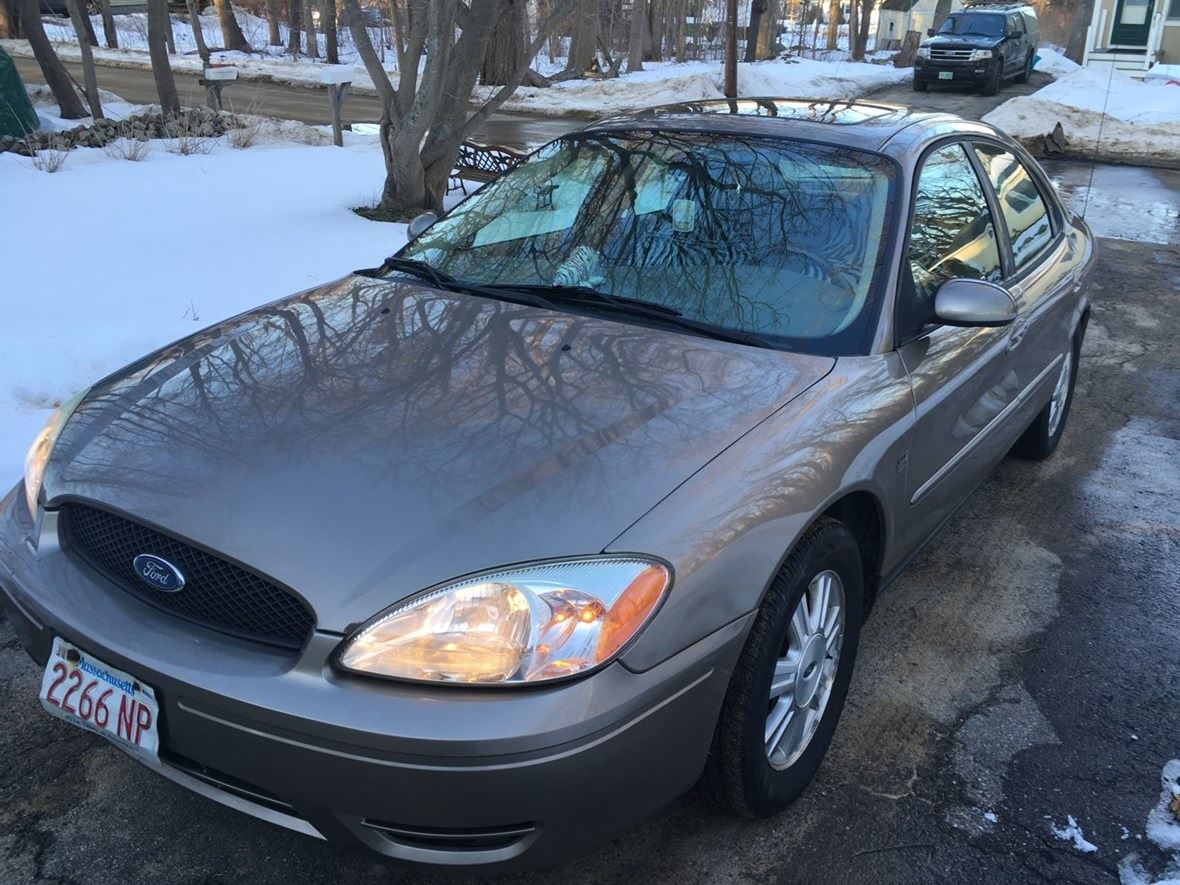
x=898 y=16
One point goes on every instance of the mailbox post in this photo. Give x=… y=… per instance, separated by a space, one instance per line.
x=214 y=80
x=336 y=78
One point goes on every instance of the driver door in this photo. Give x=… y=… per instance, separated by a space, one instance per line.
x=963 y=379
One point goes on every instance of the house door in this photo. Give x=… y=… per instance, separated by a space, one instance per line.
x=1132 y=21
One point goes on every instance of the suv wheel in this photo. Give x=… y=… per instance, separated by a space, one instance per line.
x=920 y=85
x=1026 y=71
x=788 y=687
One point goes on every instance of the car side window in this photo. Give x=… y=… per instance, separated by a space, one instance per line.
x=1015 y=24
x=1021 y=202
x=952 y=234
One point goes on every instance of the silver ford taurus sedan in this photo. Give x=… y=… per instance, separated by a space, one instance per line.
x=579 y=500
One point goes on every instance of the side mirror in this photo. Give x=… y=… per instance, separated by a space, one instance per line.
x=930 y=32
x=419 y=224
x=966 y=302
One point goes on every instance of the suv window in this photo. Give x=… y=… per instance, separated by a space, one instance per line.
x=982 y=24
x=1021 y=202
x=952 y=234
x=1015 y=24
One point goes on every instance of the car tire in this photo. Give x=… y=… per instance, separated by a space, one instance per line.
x=920 y=85
x=1026 y=71
x=991 y=82
x=740 y=773
x=1042 y=437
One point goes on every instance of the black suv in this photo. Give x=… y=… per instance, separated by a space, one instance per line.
x=982 y=45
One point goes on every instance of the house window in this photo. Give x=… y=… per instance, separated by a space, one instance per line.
x=1174 y=9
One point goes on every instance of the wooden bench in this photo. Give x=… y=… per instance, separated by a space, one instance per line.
x=482 y=162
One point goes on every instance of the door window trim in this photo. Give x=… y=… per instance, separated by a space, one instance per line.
x=964 y=140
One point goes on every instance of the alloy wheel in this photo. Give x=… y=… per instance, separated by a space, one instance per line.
x=1060 y=393
x=806 y=671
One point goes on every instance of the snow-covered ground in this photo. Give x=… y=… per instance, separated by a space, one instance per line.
x=1102 y=112
x=663 y=82
x=112 y=258
x=829 y=75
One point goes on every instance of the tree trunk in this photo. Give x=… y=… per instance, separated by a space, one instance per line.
x=88 y=75
x=854 y=29
x=194 y=19
x=51 y=67
x=157 y=21
x=169 y=36
x=88 y=28
x=583 y=38
x=654 y=34
x=295 y=25
x=109 y=32
x=834 y=22
x=635 y=44
x=273 y=36
x=328 y=26
x=10 y=19
x=757 y=11
x=1075 y=46
x=506 y=46
x=399 y=34
x=941 y=11
x=313 y=42
x=731 y=26
x=231 y=32
x=866 y=14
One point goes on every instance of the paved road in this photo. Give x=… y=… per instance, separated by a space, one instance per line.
x=1023 y=670
x=957 y=100
x=294 y=102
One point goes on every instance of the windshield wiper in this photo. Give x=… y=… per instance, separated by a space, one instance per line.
x=425 y=271
x=634 y=307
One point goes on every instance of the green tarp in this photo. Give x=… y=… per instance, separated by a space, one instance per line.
x=17 y=117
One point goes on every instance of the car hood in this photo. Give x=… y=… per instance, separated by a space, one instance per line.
x=368 y=439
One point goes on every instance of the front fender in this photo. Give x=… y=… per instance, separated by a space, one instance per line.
x=729 y=527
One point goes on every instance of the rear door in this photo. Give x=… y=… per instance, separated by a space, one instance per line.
x=1043 y=277
x=1015 y=45
x=963 y=379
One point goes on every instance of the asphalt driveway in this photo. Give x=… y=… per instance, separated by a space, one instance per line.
x=1024 y=670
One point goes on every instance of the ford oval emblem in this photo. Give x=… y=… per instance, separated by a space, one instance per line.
x=157 y=573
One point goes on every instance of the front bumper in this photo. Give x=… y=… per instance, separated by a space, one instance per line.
x=963 y=73
x=479 y=779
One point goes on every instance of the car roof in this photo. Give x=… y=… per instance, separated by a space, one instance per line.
x=867 y=125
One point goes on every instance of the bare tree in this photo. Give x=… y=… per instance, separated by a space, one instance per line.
x=1075 y=46
x=51 y=67
x=834 y=22
x=312 y=40
x=109 y=32
x=89 y=77
x=635 y=44
x=426 y=117
x=231 y=32
x=194 y=18
x=295 y=26
x=507 y=45
x=757 y=11
x=157 y=21
x=866 y=13
x=854 y=29
x=731 y=26
x=273 y=37
x=941 y=11
x=584 y=26
x=328 y=26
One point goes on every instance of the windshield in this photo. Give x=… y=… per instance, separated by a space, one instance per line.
x=978 y=24
x=767 y=237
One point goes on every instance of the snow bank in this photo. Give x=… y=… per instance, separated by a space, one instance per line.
x=142 y=268
x=1051 y=60
x=1139 y=120
x=693 y=81
x=49 y=114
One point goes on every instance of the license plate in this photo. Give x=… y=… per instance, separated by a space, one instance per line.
x=82 y=690
x=946 y=75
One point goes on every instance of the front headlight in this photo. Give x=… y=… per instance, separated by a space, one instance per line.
x=42 y=448
x=980 y=54
x=521 y=625
x=923 y=52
